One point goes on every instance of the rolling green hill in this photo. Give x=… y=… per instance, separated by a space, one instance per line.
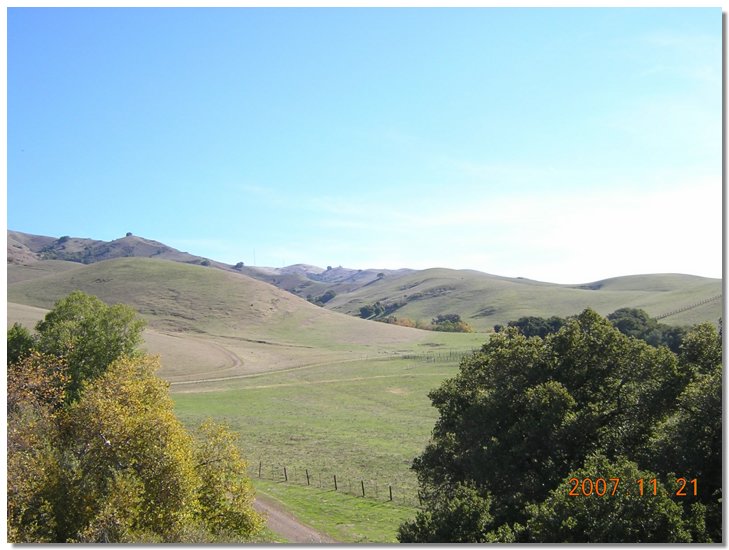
x=484 y=300
x=180 y=297
x=256 y=325
x=35 y=270
x=481 y=299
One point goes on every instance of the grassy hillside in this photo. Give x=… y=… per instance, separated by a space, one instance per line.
x=192 y=298
x=182 y=357
x=38 y=269
x=481 y=299
x=306 y=280
x=484 y=300
x=258 y=326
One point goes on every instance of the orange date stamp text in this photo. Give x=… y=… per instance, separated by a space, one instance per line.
x=586 y=487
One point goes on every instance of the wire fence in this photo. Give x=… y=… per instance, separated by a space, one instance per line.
x=359 y=486
x=436 y=357
x=689 y=307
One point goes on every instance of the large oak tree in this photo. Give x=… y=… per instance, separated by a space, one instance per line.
x=523 y=414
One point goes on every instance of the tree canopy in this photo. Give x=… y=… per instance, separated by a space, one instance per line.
x=95 y=452
x=450 y=322
x=89 y=334
x=526 y=414
x=630 y=321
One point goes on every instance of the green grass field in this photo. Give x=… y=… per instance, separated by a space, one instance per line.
x=342 y=516
x=361 y=421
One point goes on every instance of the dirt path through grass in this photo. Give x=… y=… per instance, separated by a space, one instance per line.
x=259 y=374
x=287 y=526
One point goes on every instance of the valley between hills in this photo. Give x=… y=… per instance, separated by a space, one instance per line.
x=315 y=388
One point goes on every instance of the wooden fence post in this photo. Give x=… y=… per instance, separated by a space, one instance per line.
x=390 y=486
x=335 y=482
x=307 y=477
x=286 y=477
x=362 y=481
x=260 y=465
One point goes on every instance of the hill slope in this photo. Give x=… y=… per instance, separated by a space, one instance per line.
x=263 y=326
x=191 y=298
x=484 y=300
x=313 y=282
x=481 y=299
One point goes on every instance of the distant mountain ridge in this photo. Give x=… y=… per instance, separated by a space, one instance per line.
x=24 y=248
x=27 y=249
x=481 y=299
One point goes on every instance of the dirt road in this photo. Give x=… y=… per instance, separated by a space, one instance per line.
x=284 y=524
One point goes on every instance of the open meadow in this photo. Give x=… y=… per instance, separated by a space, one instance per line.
x=363 y=421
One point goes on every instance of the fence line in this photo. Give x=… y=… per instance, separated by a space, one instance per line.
x=686 y=308
x=435 y=357
x=360 y=486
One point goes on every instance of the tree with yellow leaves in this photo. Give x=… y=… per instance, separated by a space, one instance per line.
x=115 y=464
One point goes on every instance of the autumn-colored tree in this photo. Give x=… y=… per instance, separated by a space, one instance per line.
x=225 y=494
x=124 y=423
x=36 y=392
x=113 y=463
x=121 y=467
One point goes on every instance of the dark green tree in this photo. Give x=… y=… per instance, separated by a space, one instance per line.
x=638 y=324
x=701 y=349
x=537 y=326
x=20 y=342
x=447 y=318
x=688 y=441
x=372 y=310
x=632 y=322
x=326 y=297
x=525 y=412
x=621 y=514
x=462 y=515
x=450 y=322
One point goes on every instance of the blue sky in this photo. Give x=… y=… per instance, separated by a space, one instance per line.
x=565 y=145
